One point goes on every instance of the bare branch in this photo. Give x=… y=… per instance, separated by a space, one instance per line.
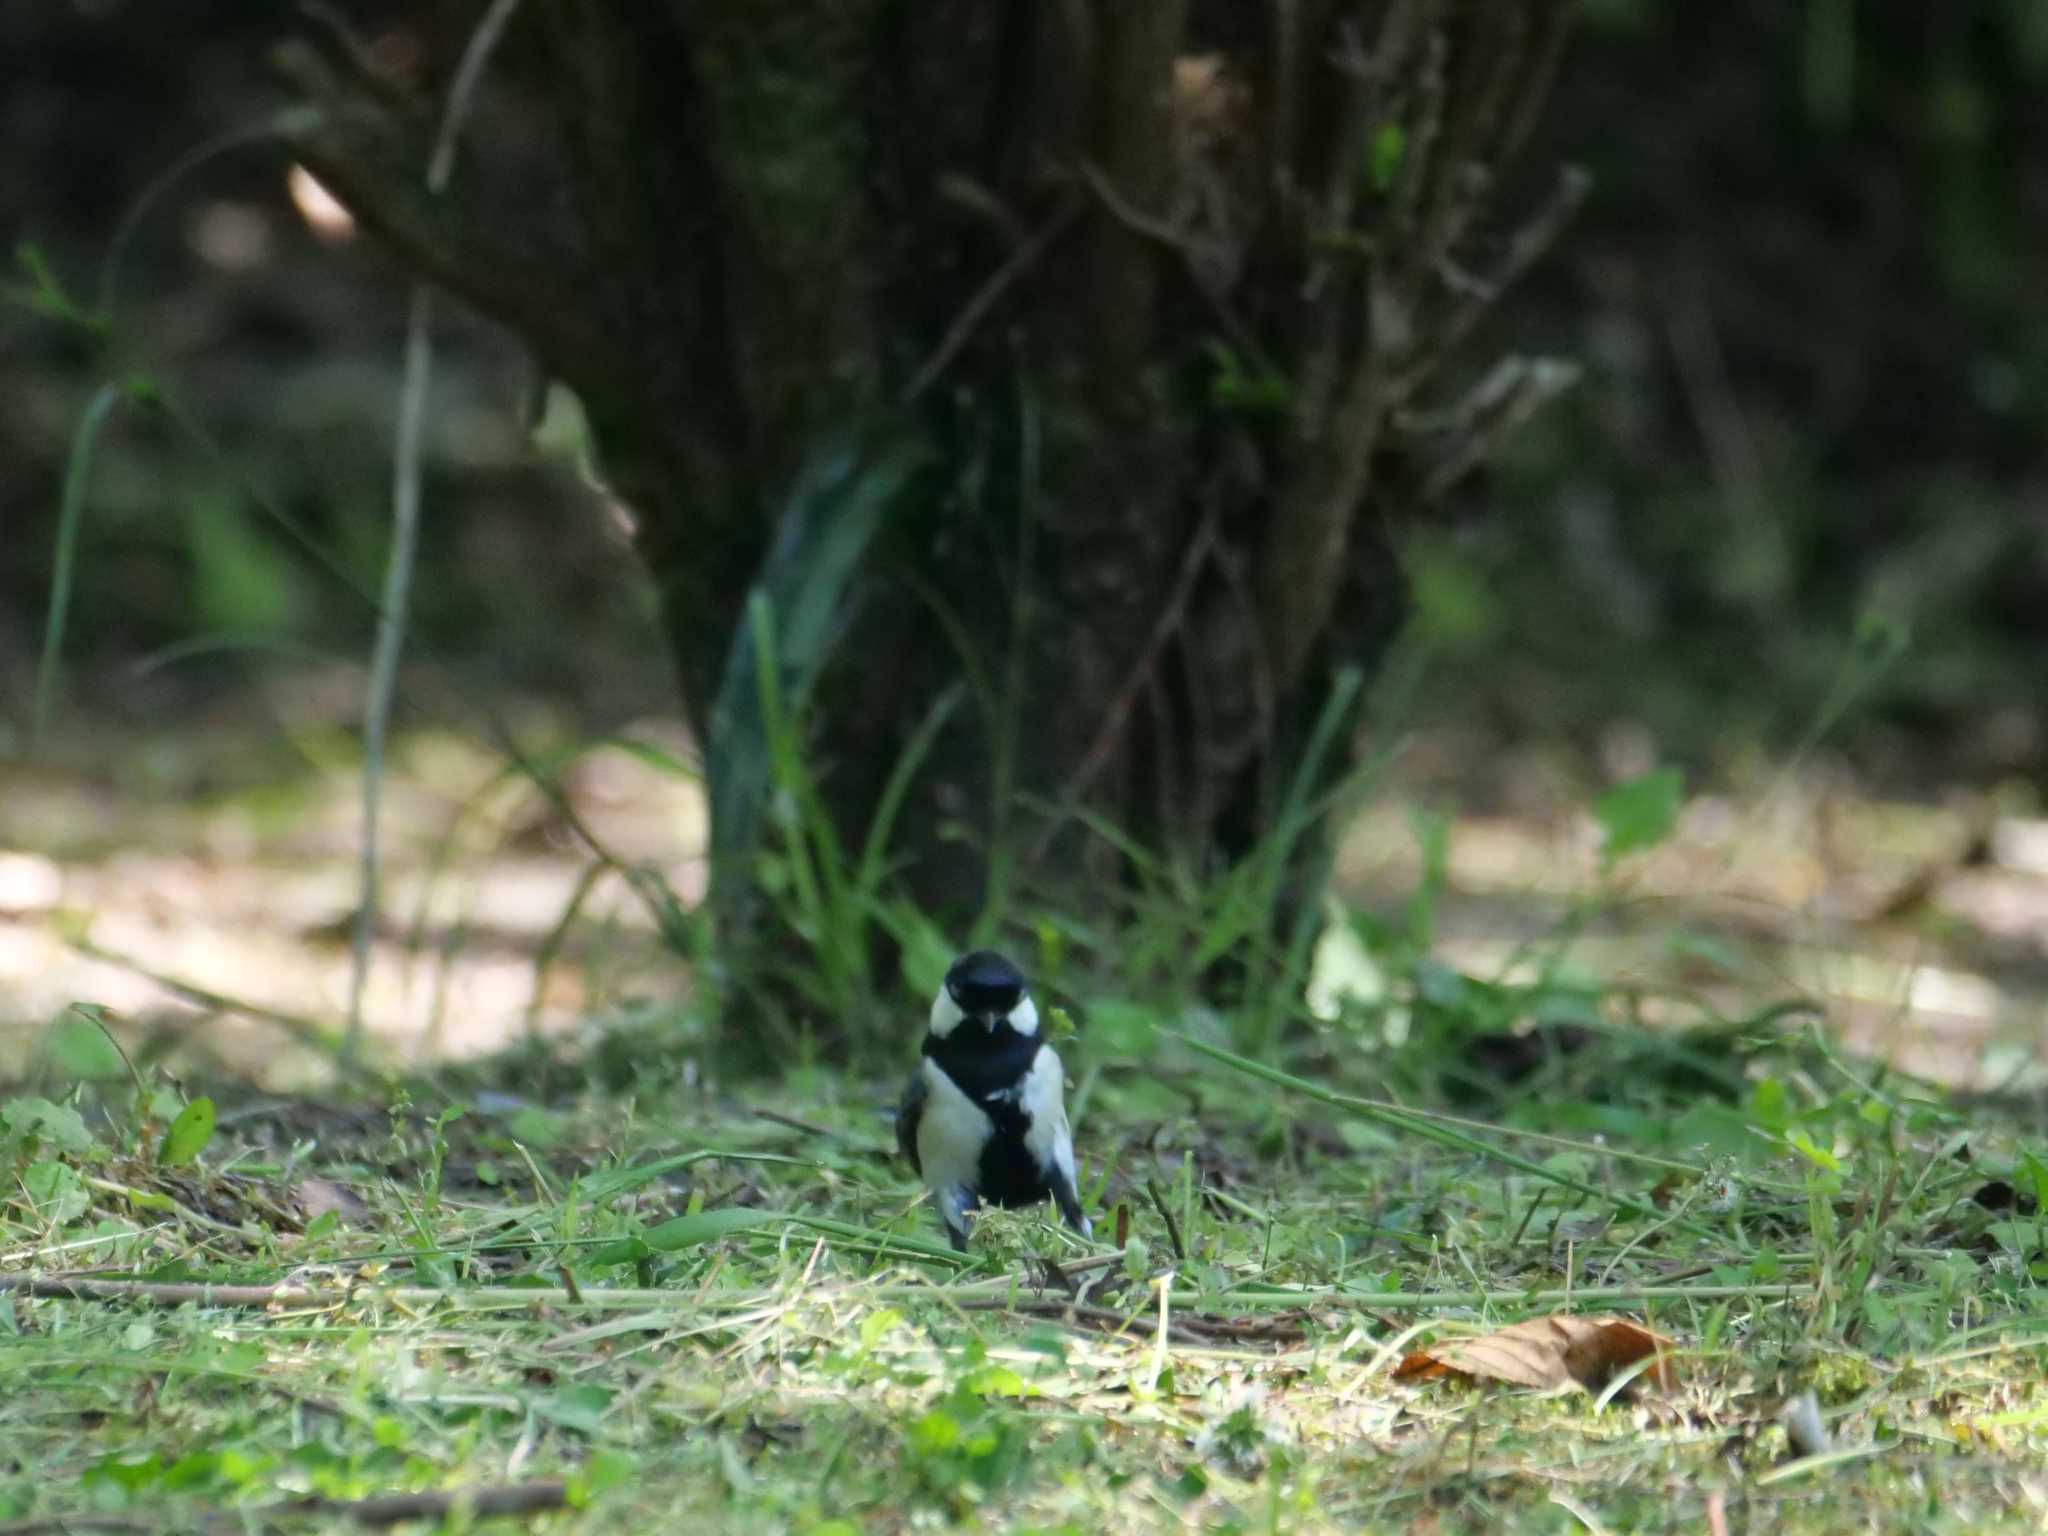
x=1107 y=734
x=1514 y=390
x=349 y=47
x=1525 y=249
x=485 y=255
x=990 y=293
x=1536 y=85
x=1192 y=249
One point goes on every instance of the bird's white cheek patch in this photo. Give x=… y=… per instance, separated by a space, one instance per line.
x=946 y=1014
x=951 y=1132
x=1024 y=1017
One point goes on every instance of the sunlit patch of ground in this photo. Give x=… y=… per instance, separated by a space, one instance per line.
x=1923 y=929
x=493 y=918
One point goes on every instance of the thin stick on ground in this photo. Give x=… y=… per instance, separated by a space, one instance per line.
x=371 y=1513
x=469 y=1299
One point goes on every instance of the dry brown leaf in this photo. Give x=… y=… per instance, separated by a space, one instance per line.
x=1552 y=1353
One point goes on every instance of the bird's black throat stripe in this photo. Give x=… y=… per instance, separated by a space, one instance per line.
x=984 y=1063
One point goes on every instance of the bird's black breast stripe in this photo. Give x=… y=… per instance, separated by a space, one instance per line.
x=991 y=1071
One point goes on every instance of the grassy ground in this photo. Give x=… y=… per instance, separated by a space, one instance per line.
x=674 y=1306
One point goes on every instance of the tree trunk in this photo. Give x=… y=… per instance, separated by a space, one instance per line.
x=1160 y=281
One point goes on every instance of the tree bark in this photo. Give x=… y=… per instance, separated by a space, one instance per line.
x=1164 y=281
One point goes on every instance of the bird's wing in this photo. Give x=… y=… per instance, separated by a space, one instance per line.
x=908 y=1114
x=1047 y=1135
x=1042 y=1096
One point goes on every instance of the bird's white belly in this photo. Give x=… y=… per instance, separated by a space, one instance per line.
x=950 y=1133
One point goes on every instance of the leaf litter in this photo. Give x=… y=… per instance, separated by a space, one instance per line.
x=1554 y=1354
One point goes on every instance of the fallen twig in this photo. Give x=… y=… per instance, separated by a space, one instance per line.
x=1090 y=1319
x=372 y=1513
x=168 y=1293
x=478 y=1503
x=506 y=1298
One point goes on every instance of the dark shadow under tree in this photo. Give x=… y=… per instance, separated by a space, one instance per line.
x=1157 y=290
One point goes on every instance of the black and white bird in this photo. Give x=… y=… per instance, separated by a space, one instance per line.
x=985 y=1115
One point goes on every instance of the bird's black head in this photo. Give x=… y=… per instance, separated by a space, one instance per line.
x=985 y=989
x=984 y=982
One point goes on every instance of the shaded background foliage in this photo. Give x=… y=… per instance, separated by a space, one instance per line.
x=1815 y=352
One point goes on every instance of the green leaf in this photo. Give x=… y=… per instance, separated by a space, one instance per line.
x=1433 y=841
x=628 y=1250
x=46 y=293
x=994 y=1381
x=2036 y=1172
x=843 y=498
x=876 y=1325
x=1137 y=1258
x=1233 y=388
x=535 y=1127
x=58 y=1192
x=126 y=1471
x=188 y=1135
x=1815 y=1154
x=580 y=1408
x=1770 y=1106
x=1389 y=149
x=926 y=952
x=704 y=1227
x=935 y=1433
x=1639 y=814
x=1453 y=605
x=59 y=1125
x=243 y=581
x=81 y=1048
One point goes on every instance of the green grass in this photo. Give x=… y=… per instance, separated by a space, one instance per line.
x=694 y=1315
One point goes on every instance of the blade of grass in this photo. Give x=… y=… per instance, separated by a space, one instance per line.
x=405 y=515
x=70 y=512
x=1404 y=1120
x=843 y=500
x=868 y=881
